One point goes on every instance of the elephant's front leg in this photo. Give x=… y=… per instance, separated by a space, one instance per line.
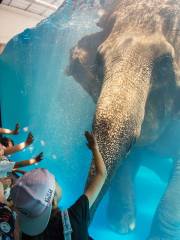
x=121 y=205
x=166 y=223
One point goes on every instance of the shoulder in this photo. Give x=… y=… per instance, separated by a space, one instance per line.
x=81 y=201
x=80 y=207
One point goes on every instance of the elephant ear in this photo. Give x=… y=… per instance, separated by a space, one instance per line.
x=85 y=64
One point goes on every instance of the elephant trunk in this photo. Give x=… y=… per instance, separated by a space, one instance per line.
x=121 y=105
x=166 y=223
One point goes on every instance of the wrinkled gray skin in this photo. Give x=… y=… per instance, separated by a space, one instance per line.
x=131 y=69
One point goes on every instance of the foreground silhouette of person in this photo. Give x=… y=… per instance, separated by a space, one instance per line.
x=36 y=194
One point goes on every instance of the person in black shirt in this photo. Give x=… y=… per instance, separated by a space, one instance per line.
x=79 y=211
x=79 y=218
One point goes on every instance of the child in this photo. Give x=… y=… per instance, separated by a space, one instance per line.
x=6 y=167
x=9 y=166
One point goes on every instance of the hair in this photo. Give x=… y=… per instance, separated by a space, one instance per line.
x=4 y=141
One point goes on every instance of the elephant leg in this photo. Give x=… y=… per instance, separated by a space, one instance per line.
x=166 y=222
x=121 y=205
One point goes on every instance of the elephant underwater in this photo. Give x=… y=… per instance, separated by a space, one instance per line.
x=131 y=69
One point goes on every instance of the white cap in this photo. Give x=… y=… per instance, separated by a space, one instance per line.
x=32 y=196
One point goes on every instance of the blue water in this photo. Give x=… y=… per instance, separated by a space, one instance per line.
x=36 y=93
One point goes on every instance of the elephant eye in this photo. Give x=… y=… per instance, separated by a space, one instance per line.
x=163 y=72
x=163 y=86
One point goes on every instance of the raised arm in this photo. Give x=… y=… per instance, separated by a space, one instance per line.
x=16 y=170
x=20 y=146
x=9 y=131
x=98 y=179
x=28 y=162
